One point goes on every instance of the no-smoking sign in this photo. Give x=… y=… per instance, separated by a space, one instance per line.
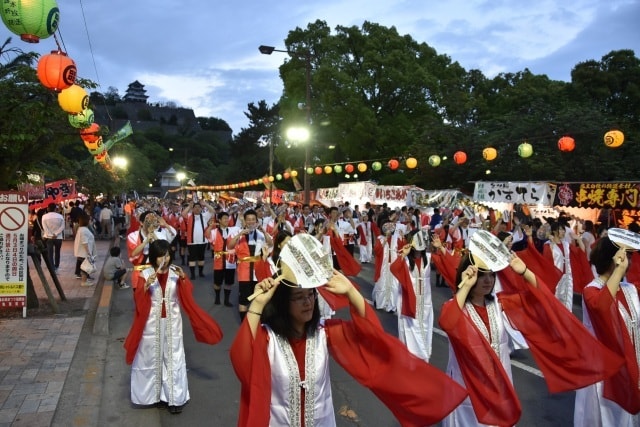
x=12 y=218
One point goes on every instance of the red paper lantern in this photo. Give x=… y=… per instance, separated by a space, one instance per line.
x=56 y=71
x=349 y=168
x=286 y=175
x=393 y=164
x=90 y=134
x=566 y=143
x=460 y=157
x=318 y=170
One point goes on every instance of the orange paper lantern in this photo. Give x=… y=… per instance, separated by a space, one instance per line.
x=56 y=71
x=393 y=164
x=566 y=143
x=411 y=163
x=286 y=175
x=90 y=134
x=489 y=153
x=349 y=168
x=318 y=170
x=460 y=157
x=613 y=139
x=362 y=167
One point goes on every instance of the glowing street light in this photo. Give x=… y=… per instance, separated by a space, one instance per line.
x=120 y=162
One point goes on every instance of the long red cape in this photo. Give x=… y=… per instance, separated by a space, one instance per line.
x=447 y=266
x=417 y=393
x=205 y=329
x=400 y=270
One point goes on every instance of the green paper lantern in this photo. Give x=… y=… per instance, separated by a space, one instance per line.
x=31 y=20
x=525 y=150
x=310 y=171
x=279 y=177
x=434 y=160
x=81 y=120
x=337 y=169
x=376 y=166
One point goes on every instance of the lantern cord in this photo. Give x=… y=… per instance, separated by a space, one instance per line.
x=57 y=42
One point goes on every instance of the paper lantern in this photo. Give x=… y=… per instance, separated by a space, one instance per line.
x=525 y=150
x=294 y=173
x=286 y=175
x=349 y=168
x=56 y=71
x=460 y=157
x=31 y=20
x=362 y=167
x=328 y=169
x=376 y=166
x=101 y=158
x=73 y=99
x=337 y=169
x=411 y=163
x=279 y=177
x=310 y=170
x=434 y=160
x=90 y=134
x=271 y=178
x=613 y=138
x=393 y=164
x=95 y=147
x=489 y=153
x=81 y=120
x=318 y=170
x=566 y=143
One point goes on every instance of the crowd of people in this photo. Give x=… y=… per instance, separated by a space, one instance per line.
x=287 y=331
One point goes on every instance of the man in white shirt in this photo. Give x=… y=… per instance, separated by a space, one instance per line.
x=52 y=232
x=105 y=220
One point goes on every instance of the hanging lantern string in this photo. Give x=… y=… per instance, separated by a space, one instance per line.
x=57 y=42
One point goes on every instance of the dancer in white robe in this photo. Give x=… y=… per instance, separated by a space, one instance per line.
x=386 y=288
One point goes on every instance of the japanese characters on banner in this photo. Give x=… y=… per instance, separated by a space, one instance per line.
x=328 y=196
x=56 y=192
x=357 y=193
x=393 y=195
x=530 y=193
x=14 y=228
x=439 y=198
x=614 y=195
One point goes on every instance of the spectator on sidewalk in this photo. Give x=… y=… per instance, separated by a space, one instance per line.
x=105 y=221
x=74 y=215
x=84 y=246
x=115 y=270
x=52 y=232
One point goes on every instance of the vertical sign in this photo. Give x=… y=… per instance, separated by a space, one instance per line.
x=14 y=229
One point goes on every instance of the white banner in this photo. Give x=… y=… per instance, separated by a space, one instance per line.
x=530 y=193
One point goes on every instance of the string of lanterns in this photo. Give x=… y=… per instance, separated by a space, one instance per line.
x=36 y=20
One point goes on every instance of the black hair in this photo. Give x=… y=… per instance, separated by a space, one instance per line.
x=114 y=251
x=333 y=208
x=634 y=226
x=602 y=255
x=465 y=262
x=413 y=252
x=143 y=215
x=280 y=237
x=249 y=212
x=277 y=316
x=222 y=214
x=159 y=248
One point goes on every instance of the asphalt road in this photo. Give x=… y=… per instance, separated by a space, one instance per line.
x=215 y=390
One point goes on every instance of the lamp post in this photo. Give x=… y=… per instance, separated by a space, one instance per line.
x=180 y=176
x=268 y=50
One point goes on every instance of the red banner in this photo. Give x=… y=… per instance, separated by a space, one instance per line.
x=56 y=192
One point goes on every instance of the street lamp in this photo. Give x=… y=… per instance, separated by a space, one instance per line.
x=268 y=50
x=180 y=176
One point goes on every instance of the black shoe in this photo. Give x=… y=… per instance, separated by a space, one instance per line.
x=228 y=304
x=201 y=274
x=193 y=277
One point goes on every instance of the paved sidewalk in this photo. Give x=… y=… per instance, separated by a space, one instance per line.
x=37 y=352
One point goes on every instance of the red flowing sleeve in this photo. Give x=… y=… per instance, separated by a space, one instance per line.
x=609 y=327
x=633 y=274
x=251 y=365
x=335 y=301
x=400 y=270
x=493 y=397
x=375 y=229
x=417 y=393
x=378 y=252
x=568 y=355
x=348 y=264
x=262 y=268
x=205 y=329
x=543 y=267
x=580 y=268
x=447 y=265
x=142 y=300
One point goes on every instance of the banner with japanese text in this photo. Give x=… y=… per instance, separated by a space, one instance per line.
x=529 y=193
x=56 y=192
x=600 y=195
x=14 y=229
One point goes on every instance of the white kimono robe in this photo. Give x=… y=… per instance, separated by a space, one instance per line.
x=159 y=370
x=417 y=333
x=386 y=289
x=562 y=260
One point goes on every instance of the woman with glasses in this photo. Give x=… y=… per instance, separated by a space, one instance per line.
x=281 y=356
